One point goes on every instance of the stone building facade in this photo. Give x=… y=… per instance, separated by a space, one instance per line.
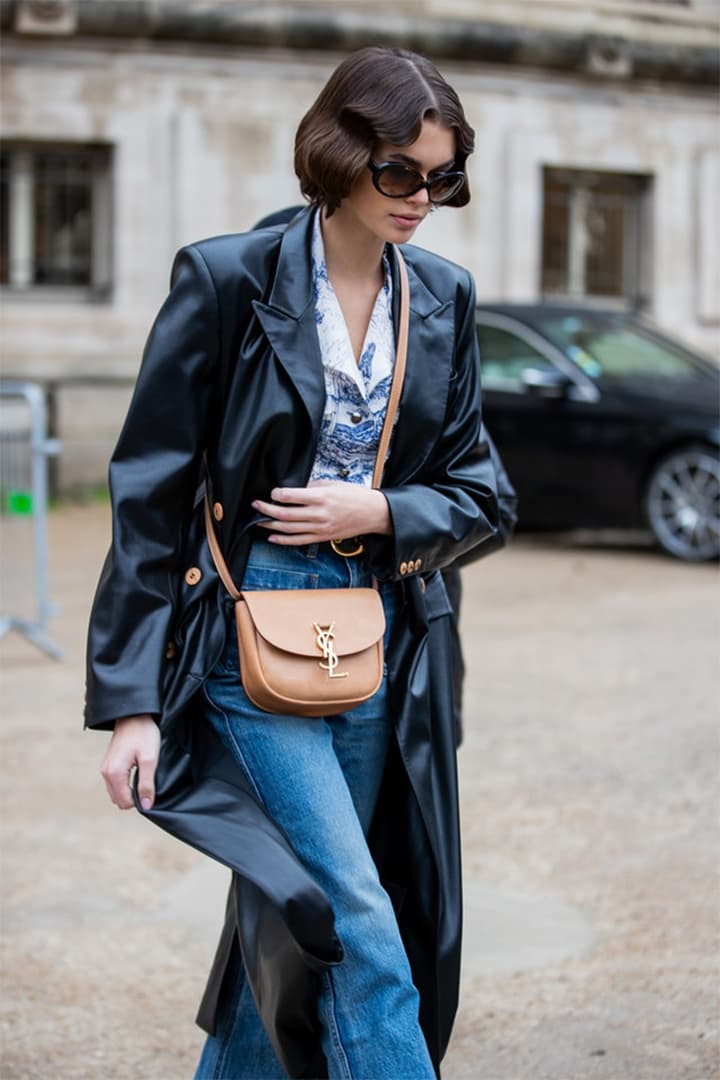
x=130 y=129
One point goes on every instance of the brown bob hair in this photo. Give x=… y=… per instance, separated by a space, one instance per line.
x=375 y=95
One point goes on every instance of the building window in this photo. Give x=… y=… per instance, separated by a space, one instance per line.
x=596 y=235
x=55 y=217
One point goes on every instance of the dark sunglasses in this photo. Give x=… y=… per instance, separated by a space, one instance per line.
x=400 y=181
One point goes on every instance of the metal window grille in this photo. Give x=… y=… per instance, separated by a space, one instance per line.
x=55 y=216
x=595 y=235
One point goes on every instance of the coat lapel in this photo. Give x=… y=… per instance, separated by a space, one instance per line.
x=429 y=359
x=288 y=318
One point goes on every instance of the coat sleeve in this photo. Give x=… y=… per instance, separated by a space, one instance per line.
x=452 y=504
x=507 y=513
x=153 y=476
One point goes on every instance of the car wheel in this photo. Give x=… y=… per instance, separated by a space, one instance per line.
x=682 y=503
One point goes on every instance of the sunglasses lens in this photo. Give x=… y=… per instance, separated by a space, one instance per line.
x=446 y=186
x=396 y=181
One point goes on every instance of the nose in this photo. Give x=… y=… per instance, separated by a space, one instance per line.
x=422 y=196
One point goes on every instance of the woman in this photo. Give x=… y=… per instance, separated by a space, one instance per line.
x=266 y=378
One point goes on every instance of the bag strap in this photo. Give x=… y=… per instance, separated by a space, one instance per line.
x=217 y=555
x=398 y=373
x=385 y=435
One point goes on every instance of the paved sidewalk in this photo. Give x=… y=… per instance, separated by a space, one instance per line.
x=589 y=803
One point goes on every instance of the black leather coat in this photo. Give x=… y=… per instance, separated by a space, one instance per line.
x=231 y=386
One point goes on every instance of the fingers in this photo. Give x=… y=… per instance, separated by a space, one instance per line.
x=296 y=540
x=116 y=774
x=295 y=524
x=135 y=742
x=146 y=780
x=294 y=527
x=299 y=497
x=314 y=514
x=301 y=532
x=286 y=513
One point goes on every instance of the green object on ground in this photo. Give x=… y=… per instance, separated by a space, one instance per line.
x=19 y=502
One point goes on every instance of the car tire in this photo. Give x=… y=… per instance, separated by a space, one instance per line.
x=682 y=503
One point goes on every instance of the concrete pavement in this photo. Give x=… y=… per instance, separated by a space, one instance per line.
x=589 y=804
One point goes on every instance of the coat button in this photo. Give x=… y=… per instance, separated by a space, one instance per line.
x=218 y=511
x=423 y=586
x=170 y=651
x=355 y=417
x=345 y=471
x=193 y=575
x=418 y=564
x=403 y=568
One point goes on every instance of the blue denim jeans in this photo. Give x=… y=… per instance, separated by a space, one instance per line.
x=319 y=779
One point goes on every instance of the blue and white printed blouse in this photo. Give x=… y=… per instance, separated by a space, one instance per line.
x=356 y=394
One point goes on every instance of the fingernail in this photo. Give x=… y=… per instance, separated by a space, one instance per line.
x=146 y=803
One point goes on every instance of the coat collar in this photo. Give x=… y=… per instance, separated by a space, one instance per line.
x=292 y=292
x=288 y=319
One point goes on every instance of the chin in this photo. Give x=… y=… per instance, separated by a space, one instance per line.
x=398 y=234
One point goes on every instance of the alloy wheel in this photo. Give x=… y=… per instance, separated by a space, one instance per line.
x=683 y=503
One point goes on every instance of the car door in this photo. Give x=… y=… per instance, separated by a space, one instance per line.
x=542 y=413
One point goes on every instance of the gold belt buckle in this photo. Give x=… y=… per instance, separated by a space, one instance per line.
x=358 y=549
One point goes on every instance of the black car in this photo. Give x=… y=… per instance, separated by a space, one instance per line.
x=603 y=422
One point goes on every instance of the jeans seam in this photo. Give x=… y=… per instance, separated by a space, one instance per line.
x=333 y=1029
x=236 y=745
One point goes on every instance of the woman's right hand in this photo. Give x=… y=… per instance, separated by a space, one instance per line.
x=135 y=742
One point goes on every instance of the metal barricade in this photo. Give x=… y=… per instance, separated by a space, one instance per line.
x=24 y=450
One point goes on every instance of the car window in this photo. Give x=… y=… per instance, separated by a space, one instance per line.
x=504 y=357
x=607 y=348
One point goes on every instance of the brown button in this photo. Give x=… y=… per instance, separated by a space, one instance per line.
x=218 y=511
x=356 y=417
x=171 y=651
x=403 y=568
x=418 y=564
x=193 y=575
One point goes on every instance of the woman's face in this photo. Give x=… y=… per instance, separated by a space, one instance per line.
x=395 y=220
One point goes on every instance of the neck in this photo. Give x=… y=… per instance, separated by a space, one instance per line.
x=352 y=252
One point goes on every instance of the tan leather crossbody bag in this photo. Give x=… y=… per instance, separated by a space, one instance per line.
x=315 y=652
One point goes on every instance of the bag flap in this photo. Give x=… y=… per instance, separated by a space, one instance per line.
x=286 y=618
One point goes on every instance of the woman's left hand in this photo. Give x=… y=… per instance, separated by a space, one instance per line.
x=325 y=510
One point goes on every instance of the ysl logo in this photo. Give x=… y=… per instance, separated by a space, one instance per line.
x=324 y=641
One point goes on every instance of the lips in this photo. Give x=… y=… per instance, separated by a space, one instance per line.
x=406 y=221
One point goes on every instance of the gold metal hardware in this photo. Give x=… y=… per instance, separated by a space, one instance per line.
x=357 y=550
x=324 y=641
